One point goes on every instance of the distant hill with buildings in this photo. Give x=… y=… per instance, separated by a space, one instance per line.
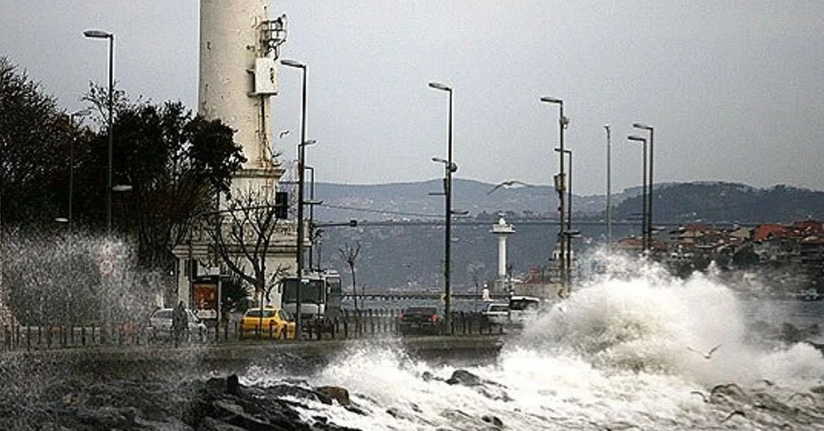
x=672 y=202
x=401 y=233
x=729 y=203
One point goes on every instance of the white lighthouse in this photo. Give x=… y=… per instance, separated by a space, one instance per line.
x=239 y=46
x=502 y=229
x=239 y=49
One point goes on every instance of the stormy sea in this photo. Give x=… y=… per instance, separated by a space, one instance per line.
x=631 y=349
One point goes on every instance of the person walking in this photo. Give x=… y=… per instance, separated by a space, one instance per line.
x=179 y=323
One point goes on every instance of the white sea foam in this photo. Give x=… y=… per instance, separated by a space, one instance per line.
x=626 y=350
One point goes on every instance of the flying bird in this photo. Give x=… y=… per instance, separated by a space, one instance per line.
x=510 y=184
x=736 y=412
x=282 y=134
x=703 y=397
x=707 y=355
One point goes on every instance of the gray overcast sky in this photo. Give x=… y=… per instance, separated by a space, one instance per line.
x=735 y=89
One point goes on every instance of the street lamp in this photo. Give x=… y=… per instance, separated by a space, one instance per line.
x=311 y=170
x=644 y=214
x=80 y=113
x=301 y=168
x=99 y=34
x=608 y=212
x=563 y=122
x=567 y=238
x=450 y=169
x=649 y=179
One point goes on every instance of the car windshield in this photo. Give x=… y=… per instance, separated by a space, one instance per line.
x=523 y=304
x=312 y=291
x=256 y=312
x=162 y=314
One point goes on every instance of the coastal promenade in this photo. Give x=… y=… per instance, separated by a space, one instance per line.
x=298 y=357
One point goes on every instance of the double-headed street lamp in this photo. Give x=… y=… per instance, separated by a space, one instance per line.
x=649 y=179
x=99 y=34
x=301 y=168
x=450 y=169
x=560 y=183
x=644 y=218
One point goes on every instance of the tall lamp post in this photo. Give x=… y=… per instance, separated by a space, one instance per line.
x=644 y=230
x=649 y=180
x=560 y=185
x=99 y=34
x=301 y=169
x=568 y=231
x=311 y=170
x=72 y=122
x=450 y=168
x=608 y=212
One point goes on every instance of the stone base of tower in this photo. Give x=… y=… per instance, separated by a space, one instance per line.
x=258 y=180
x=200 y=249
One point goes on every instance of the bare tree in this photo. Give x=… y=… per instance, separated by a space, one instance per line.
x=244 y=235
x=476 y=271
x=350 y=254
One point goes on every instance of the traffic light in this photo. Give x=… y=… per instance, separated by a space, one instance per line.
x=281 y=205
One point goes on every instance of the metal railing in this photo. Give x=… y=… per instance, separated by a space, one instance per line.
x=351 y=324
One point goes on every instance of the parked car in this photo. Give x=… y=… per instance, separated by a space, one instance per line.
x=422 y=319
x=522 y=309
x=266 y=322
x=496 y=313
x=160 y=325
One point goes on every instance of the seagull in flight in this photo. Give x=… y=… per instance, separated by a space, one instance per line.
x=701 y=394
x=707 y=355
x=282 y=134
x=509 y=184
x=736 y=412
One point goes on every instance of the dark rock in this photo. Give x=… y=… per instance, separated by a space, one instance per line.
x=493 y=420
x=337 y=393
x=464 y=378
x=210 y=424
x=233 y=385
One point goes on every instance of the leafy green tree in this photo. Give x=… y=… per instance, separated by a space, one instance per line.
x=31 y=127
x=176 y=163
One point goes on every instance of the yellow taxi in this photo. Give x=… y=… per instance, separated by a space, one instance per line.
x=267 y=322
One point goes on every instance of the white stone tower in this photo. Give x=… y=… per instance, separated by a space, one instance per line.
x=238 y=75
x=502 y=229
x=239 y=48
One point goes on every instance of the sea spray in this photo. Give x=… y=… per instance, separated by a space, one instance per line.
x=632 y=348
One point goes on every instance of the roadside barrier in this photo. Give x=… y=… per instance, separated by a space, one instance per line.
x=350 y=324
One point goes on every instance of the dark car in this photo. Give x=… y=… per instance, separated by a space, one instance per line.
x=420 y=319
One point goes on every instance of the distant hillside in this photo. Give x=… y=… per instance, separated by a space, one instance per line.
x=728 y=203
x=672 y=203
x=409 y=255
x=400 y=201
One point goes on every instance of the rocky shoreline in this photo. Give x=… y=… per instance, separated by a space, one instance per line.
x=187 y=389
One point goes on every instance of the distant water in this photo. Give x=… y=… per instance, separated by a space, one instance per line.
x=625 y=351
